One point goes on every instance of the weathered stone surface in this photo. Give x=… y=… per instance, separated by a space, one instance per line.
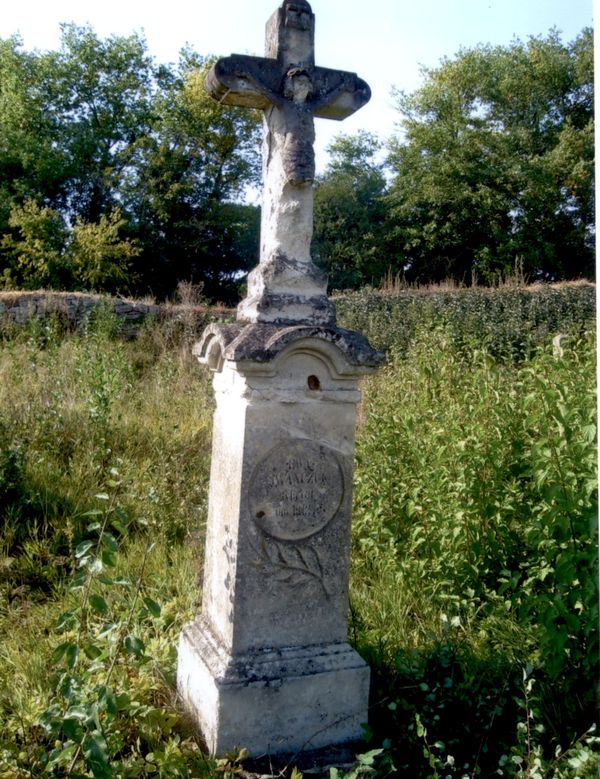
x=283 y=290
x=267 y=665
x=286 y=85
x=296 y=490
x=265 y=698
x=261 y=343
x=20 y=307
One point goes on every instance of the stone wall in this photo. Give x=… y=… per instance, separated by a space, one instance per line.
x=19 y=307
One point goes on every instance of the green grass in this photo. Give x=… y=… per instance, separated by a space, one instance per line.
x=473 y=588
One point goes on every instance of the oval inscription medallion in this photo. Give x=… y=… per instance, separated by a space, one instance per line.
x=296 y=490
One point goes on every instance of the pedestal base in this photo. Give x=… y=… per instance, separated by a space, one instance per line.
x=272 y=702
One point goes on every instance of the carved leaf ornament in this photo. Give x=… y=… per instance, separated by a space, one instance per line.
x=295 y=491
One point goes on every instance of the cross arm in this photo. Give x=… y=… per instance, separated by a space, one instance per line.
x=244 y=81
x=338 y=93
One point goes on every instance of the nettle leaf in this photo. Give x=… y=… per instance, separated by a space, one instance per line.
x=107 y=700
x=152 y=606
x=120 y=520
x=122 y=701
x=98 y=604
x=107 y=629
x=67 y=619
x=67 y=652
x=95 y=750
x=83 y=547
x=165 y=720
x=79 y=713
x=96 y=565
x=368 y=758
x=72 y=655
x=92 y=652
x=62 y=756
x=61 y=650
x=134 y=646
x=68 y=688
x=51 y=716
x=109 y=558
x=110 y=542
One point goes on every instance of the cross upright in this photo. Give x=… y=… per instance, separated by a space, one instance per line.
x=287 y=288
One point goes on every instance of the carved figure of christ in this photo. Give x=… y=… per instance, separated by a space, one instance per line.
x=291 y=91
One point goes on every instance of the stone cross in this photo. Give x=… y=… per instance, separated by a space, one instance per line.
x=266 y=665
x=286 y=287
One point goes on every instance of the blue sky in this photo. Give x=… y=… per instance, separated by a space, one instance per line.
x=384 y=41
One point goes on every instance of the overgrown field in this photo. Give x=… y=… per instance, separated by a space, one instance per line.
x=474 y=574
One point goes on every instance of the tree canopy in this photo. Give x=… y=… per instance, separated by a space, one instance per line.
x=105 y=155
x=495 y=164
x=123 y=175
x=351 y=227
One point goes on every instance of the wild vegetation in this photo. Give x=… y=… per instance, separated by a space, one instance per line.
x=119 y=174
x=474 y=573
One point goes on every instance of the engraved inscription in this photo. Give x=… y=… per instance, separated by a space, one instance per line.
x=296 y=490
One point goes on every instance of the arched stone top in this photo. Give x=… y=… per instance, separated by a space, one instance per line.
x=253 y=347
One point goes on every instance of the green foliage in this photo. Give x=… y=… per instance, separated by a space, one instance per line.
x=134 y=157
x=494 y=168
x=72 y=408
x=93 y=584
x=99 y=257
x=473 y=591
x=35 y=250
x=509 y=321
x=475 y=541
x=198 y=159
x=350 y=240
x=41 y=252
x=94 y=720
x=495 y=164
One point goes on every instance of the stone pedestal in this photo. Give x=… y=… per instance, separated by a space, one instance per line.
x=266 y=666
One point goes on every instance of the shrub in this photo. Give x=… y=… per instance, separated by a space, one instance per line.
x=509 y=322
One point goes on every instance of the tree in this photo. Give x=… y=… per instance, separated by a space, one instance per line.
x=495 y=166
x=100 y=258
x=42 y=252
x=31 y=162
x=35 y=250
x=97 y=126
x=351 y=227
x=186 y=178
x=99 y=95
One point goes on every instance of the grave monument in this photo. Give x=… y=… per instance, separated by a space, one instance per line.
x=267 y=665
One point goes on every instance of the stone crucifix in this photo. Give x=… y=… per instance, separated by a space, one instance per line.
x=286 y=287
x=266 y=664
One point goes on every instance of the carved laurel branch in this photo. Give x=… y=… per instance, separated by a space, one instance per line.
x=297 y=565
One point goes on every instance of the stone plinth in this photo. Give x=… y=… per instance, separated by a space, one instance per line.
x=266 y=666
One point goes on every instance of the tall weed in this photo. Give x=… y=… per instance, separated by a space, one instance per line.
x=475 y=553
x=473 y=592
